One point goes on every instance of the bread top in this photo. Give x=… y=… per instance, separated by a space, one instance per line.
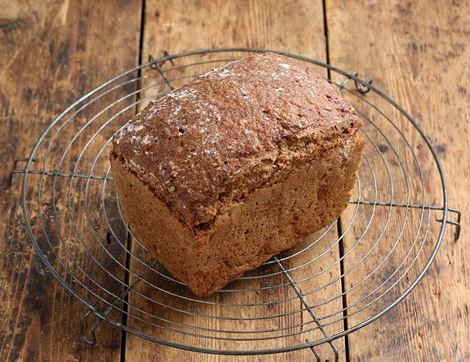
x=234 y=129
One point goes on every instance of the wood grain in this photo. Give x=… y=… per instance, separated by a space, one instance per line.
x=51 y=54
x=54 y=51
x=418 y=53
x=177 y=26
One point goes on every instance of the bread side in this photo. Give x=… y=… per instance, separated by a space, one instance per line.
x=172 y=243
x=267 y=221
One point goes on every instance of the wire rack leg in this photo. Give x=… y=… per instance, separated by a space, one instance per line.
x=91 y=341
x=452 y=211
x=90 y=338
x=361 y=88
x=317 y=356
x=454 y=223
x=157 y=65
x=15 y=170
x=294 y=286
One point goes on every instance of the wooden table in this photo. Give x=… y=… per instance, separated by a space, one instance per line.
x=54 y=51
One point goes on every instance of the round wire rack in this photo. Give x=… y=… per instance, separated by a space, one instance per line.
x=337 y=281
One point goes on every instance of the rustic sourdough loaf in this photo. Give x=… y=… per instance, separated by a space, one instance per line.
x=221 y=174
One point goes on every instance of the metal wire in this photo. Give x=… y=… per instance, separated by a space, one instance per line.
x=392 y=229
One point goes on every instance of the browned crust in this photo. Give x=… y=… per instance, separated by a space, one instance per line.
x=236 y=129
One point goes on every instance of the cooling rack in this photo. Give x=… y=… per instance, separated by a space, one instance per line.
x=337 y=281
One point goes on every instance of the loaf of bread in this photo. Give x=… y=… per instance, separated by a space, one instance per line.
x=223 y=173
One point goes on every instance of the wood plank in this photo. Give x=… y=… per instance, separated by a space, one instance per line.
x=176 y=26
x=52 y=53
x=416 y=52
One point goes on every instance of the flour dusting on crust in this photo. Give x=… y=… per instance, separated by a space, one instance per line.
x=207 y=142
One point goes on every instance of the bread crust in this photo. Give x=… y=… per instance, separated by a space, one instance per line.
x=243 y=163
